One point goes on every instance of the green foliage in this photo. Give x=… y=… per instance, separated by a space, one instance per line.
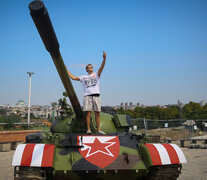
x=65 y=94
x=170 y=113
x=24 y=126
x=129 y=112
x=191 y=110
x=2 y=112
x=194 y=110
x=31 y=116
x=121 y=111
x=10 y=120
x=8 y=126
x=156 y=112
x=66 y=110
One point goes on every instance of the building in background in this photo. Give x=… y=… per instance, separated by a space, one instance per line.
x=21 y=103
x=202 y=103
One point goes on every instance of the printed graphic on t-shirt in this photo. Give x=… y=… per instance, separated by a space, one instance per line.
x=90 y=81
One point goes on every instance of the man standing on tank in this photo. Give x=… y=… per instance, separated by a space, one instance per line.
x=91 y=101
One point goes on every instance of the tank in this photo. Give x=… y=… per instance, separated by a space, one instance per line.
x=67 y=152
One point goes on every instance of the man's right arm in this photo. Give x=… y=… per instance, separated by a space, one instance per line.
x=71 y=76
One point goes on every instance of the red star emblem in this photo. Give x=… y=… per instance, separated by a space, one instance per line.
x=98 y=147
x=99 y=150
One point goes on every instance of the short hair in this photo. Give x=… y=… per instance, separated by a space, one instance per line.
x=88 y=65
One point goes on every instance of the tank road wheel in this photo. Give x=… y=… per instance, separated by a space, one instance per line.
x=32 y=173
x=166 y=172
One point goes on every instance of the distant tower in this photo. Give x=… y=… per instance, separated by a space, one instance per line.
x=138 y=104
x=126 y=105
x=180 y=104
x=202 y=103
x=131 y=104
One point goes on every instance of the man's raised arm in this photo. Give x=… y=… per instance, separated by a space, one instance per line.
x=71 y=76
x=103 y=64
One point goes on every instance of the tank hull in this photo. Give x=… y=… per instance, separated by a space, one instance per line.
x=115 y=155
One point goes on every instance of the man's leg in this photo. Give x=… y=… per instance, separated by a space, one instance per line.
x=97 y=118
x=87 y=107
x=97 y=110
x=98 y=122
x=88 y=119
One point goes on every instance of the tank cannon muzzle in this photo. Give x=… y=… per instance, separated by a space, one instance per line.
x=44 y=26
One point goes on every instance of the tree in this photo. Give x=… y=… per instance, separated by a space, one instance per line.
x=192 y=110
x=139 y=112
x=53 y=104
x=66 y=110
x=18 y=112
x=152 y=112
x=32 y=116
x=203 y=112
x=120 y=111
x=129 y=112
x=2 y=112
x=9 y=120
x=169 y=113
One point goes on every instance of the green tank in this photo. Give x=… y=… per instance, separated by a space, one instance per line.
x=67 y=152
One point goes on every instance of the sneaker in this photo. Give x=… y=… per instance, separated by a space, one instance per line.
x=88 y=131
x=101 y=132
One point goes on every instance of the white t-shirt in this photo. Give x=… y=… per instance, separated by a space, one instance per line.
x=90 y=83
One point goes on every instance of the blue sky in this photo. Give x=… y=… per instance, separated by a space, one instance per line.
x=156 y=50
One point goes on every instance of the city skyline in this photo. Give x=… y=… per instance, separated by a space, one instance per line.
x=156 y=50
x=130 y=104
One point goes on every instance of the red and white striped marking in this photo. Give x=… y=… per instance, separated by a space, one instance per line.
x=163 y=154
x=37 y=155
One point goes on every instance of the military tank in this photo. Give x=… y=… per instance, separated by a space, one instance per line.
x=66 y=152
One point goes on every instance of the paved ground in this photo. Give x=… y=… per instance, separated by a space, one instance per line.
x=6 y=171
x=196 y=168
x=200 y=137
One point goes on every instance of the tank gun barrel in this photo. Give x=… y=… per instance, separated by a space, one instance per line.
x=44 y=26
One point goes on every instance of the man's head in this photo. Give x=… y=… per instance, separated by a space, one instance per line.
x=89 y=68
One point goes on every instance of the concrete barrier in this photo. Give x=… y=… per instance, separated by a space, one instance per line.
x=5 y=147
x=10 y=139
x=10 y=136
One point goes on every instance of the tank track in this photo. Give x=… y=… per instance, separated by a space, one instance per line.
x=32 y=173
x=164 y=172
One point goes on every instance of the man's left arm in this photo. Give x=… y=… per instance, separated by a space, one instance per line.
x=103 y=64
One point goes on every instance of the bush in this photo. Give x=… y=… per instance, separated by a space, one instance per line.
x=10 y=120
x=8 y=126
x=24 y=126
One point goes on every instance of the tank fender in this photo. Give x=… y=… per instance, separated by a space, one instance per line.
x=34 y=155
x=161 y=154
